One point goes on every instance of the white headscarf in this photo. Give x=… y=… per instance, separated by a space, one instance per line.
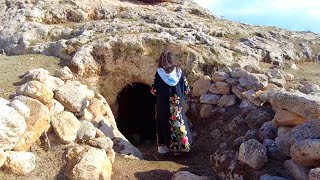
x=172 y=78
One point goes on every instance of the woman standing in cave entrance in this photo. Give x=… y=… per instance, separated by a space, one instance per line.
x=170 y=86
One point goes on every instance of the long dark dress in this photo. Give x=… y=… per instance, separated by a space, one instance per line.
x=172 y=126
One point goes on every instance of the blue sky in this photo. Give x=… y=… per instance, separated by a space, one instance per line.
x=300 y=15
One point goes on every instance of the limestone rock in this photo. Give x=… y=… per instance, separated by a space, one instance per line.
x=310 y=88
x=123 y=146
x=87 y=131
x=256 y=118
x=21 y=108
x=306 y=152
x=102 y=143
x=267 y=131
x=201 y=86
x=220 y=88
x=287 y=118
x=254 y=81
x=97 y=107
x=86 y=163
x=219 y=76
x=237 y=92
x=227 y=101
x=205 y=111
x=12 y=125
x=36 y=90
x=72 y=97
x=209 y=98
x=253 y=97
x=278 y=82
x=20 y=163
x=66 y=126
x=297 y=171
x=52 y=83
x=314 y=174
x=253 y=153
x=185 y=175
x=63 y=73
x=307 y=106
x=4 y=101
x=232 y=81
x=55 y=107
x=307 y=130
x=35 y=75
x=37 y=123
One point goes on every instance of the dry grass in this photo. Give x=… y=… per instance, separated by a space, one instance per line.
x=11 y=67
x=308 y=71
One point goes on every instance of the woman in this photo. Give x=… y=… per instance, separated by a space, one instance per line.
x=170 y=86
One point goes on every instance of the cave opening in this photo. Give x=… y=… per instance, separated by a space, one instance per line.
x=136 y=113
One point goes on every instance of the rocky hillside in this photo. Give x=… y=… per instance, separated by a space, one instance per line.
x=254 y=119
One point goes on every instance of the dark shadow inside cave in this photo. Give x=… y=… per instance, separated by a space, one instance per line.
x=136 y=115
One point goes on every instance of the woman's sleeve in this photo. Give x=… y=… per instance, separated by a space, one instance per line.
x=186 y=87
x=155 y=85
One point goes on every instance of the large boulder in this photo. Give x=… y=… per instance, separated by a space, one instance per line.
x=36 y=90
x=307 y=106
x=209 y=98
x=12 y=125
x=253 y=154
x=220 y=88
x=88 y=163
x=21 y=108
x=35 y=75
x=86 y=131
x=306 y=152
x=201 y=86
x=97 y=107
x=20 y=163
x=66 y=126
x=287 y=118
x=72 y=97
x=307 y=130
x=37 y=123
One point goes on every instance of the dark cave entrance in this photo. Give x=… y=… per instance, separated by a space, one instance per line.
x=136 y=115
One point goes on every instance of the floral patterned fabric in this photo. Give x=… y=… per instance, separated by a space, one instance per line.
x=172 y=125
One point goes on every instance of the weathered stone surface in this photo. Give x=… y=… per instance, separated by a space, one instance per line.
x=12 y=125
x=66 y=126
x=36 y=90
x=307 y=130
x=88 y=163
x=310 y=88
x=209 y=98
x=72 y=97
x=288 y=77
x=307 y=106
x=185 y=175
x=287 y=118
x=35 y=75
x=102 y=143
x=306 y=152
x=37 y=123
x=219 y=76
x=235 y=90
x=52 y=83
x=86 y=131
x=55 y=107
x=20 y=163
x=220 y=88
x=226 y=165
x=254 y=81
x=267 y=131
x=97 y=107
x=253 y=97
x=21 y=108
x=123 y=146
x=314 y=174
x=232 y=81
x=269 y=177
x=297 y=171
x=63 y=73
x=253 y=153
x=278 y=82
x=205 y=111
x=201 y=86
x=227 y=101
x=4 y=101
x=283 y=130
x=256 y=118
